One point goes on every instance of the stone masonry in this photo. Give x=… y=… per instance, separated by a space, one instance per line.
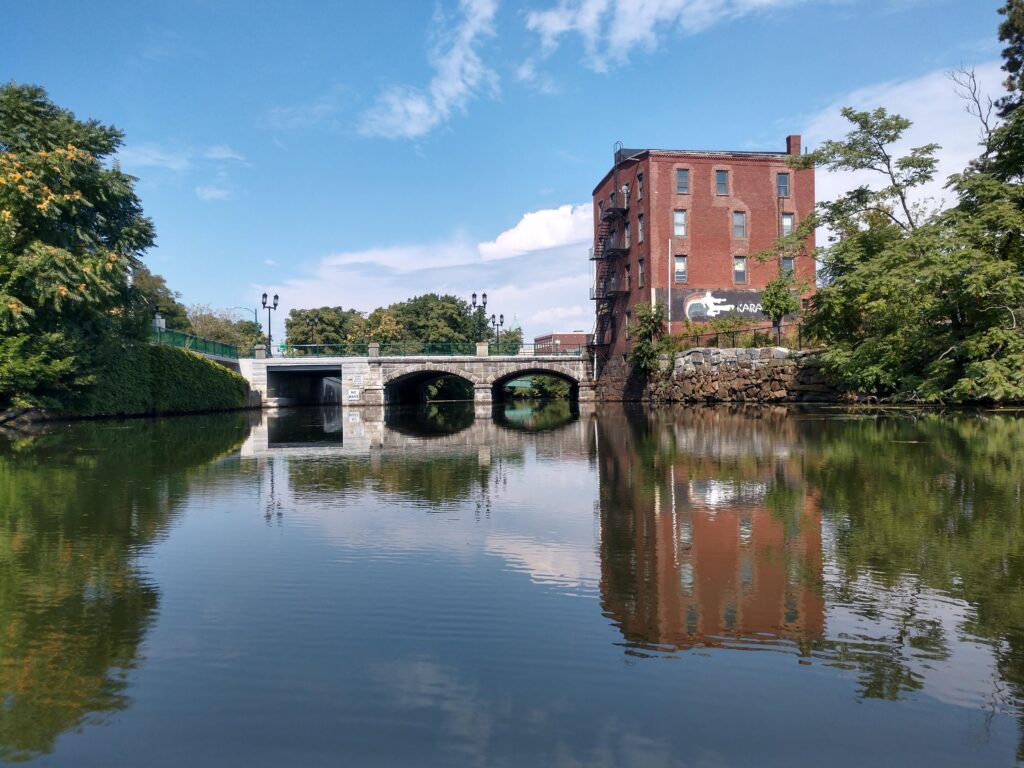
x=712 y=375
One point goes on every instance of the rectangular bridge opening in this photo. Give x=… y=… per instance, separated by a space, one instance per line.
x=292 y=386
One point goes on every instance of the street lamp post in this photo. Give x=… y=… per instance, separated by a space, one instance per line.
x=255 y=313
x=313 y=326
x=498 y=323
x=270 y=335
x=479 y=313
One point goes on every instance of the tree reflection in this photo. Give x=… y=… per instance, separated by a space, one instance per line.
x=76 y=508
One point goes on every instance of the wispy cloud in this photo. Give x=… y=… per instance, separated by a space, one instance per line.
x=270 y=262
x=611 y=29
x=154 y=156
x=213 y=192
x=222 y=152
x=403 y=112
x=302 y=116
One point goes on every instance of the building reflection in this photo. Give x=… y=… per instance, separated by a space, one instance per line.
x=709 y=536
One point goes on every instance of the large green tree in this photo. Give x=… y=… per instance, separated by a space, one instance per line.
x=324 y=325
x=917 y=304
x=71 y=229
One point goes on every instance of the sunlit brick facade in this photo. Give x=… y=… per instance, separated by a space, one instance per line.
x=682 y=227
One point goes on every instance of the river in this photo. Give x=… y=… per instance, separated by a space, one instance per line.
x=538 y=587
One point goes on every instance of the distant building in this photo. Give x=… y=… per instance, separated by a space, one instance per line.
x=682 y=226
x=554 y=343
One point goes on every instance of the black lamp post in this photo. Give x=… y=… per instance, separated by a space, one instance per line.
x=270 y=335
x=313 y=325
x=498 y=323
x=479 y=312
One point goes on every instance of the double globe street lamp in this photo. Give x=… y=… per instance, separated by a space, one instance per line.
x=498 y=323
x=479 y=313
x=270 y=335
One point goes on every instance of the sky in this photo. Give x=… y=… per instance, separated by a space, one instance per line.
x=360 y=153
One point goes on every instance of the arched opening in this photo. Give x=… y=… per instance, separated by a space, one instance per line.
x=535 y=384
x=426 y=387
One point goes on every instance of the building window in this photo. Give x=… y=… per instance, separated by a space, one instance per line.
x=739 y=270
x=682 y=181
x=681 y=269
x=639 y=186
x=625 y=236
x=739 y=224
x=788 y=224
x=640 y=274
x=788 y=264
x=640 y=228
x=679 y=223
x=721 y=182
x=600 y=208
x=782 y=185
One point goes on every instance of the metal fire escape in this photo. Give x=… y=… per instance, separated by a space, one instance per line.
x=608 y=254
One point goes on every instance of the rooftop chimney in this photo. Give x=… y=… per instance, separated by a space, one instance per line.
x=793 y=144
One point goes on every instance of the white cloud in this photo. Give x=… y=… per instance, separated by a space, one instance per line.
x=213 y=192
x=537 y=272
x=270 y=262
x=403 y=111
x=938 y=116
x=610 y=29
x=301 y=116
x=154 y=156
x=222 y=152
x=548 y=228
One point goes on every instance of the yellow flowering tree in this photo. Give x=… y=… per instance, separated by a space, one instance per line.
x=71 y=229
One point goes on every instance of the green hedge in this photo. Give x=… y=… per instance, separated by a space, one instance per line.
x=148 y=379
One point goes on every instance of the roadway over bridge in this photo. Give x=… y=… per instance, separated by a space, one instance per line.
x=382 y=380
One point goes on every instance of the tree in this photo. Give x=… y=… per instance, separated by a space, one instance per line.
x=221 y=325
x=326 y=325
x=923 y=306
x=71 y=229
x=646 y=329
x=779 y=297
x=1011 y=32
x=150 y=295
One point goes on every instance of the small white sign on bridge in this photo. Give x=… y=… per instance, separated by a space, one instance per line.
x=353 y=394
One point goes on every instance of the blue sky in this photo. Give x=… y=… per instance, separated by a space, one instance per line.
x=361 y=153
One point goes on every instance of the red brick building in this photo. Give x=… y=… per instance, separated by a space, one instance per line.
x=556 y=343
x=681 y=227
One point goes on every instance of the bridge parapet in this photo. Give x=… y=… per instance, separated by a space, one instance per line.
x=368 y=381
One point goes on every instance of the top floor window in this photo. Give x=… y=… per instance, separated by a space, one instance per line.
x=782 y=185
x=682 y=181
x=639 y=186
x=721 y=182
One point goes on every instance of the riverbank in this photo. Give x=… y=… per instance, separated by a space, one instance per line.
x=146 y=380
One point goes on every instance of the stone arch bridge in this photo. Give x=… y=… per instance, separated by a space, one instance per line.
x=374 y=380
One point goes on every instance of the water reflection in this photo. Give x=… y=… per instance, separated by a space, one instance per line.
x=470 y=585
x=77 y=507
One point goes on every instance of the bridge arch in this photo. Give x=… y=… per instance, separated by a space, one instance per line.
x=407 y=384
x=497 y=381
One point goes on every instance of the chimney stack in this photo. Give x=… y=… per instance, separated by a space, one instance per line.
x=793 y=144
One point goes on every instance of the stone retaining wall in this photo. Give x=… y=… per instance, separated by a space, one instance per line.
x=713 y=375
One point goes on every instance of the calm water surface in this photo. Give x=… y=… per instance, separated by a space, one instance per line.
x=436 y=587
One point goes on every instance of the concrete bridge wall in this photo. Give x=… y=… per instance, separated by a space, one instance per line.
x=363 y=381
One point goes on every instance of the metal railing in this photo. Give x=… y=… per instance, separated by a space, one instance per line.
x=790 y=335
x=531 y=350
x=343 y=349
x=433 y=348
x=169 y=338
